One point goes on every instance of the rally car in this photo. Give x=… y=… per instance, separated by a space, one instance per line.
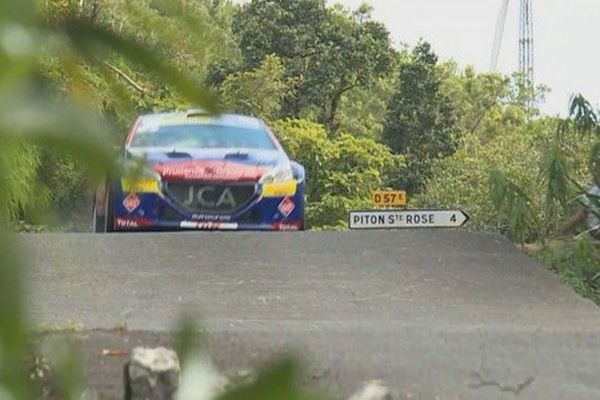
x=192 y=171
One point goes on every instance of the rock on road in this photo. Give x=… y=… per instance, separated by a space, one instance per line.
x=436 y=314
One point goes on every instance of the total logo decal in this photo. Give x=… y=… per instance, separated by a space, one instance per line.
x=286 y=207
x=280 y=226
x=131 y=202
x=132 y=223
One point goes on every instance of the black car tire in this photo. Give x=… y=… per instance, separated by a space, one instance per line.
x=303 y=218
x=104 y=223
x=97 y=221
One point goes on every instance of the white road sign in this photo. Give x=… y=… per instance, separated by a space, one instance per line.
x=397 y=219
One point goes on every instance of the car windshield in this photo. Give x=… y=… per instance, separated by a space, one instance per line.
x=203 y=137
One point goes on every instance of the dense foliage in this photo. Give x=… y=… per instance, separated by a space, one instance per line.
x=39 y=128
x=577 y=262
x=343 y=171
x=239 y=90
x=357 y=113
x=421 y=118
x=326 y=51
x=189 y=34
x=37 y=122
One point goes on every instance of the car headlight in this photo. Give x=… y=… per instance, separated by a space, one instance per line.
x=279 y=174
x=279 y=182
x=140 y=178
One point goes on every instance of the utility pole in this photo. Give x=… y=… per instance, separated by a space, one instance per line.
x=526 y=42
x=525 y=45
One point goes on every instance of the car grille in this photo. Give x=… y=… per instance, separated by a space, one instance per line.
x=203 y=197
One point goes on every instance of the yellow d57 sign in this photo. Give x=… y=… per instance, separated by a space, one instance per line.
x=383 y=198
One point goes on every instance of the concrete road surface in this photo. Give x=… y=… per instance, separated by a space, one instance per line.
x=436 y=314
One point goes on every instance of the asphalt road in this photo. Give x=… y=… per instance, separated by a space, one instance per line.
x=436 y=314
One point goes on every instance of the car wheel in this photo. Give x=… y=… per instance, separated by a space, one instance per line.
x=98 y=222
x=103 y=222
x=109 y=223
x=303 y=223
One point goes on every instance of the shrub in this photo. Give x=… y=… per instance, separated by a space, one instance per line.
x=521 y=158
x=65 y=179
x=577 y=262
x=341 y=172
x=19 y=162
x=461 y=180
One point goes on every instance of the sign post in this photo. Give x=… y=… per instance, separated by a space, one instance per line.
x=403 y=219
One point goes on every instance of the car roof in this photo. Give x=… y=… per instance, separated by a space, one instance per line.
x=195 y=117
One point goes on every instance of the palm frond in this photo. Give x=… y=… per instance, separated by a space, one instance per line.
x=555 y=174
x=513 y=204
x=583 y=115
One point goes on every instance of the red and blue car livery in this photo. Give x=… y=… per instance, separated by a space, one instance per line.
x=201 y=172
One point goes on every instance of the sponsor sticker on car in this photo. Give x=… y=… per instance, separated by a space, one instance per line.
x=131 y=202
x=209 y=225
x=286 y=207
x=132 y=223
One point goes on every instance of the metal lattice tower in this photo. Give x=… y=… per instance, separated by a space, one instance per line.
x=526 y=41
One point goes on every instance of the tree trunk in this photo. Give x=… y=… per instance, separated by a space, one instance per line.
x=330 y=120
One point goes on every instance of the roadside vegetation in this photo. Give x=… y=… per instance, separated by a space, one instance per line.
x=359 y=113
x=57 y=134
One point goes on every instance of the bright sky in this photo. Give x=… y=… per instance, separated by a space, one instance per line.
x=566 y=34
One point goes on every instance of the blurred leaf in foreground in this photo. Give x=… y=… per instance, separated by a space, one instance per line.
x=31 y=114
x=277 y=381
x=93 y=41
x=13 y=327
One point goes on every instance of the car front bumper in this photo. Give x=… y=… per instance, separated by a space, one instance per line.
x=147 y=211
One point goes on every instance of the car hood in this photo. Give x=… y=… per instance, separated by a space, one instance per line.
x=234 y=165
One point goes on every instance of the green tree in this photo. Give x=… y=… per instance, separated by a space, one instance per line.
x=489 y=104
x=354 y=53
x=362 y=110
x=500 y=143
x=259 y=92
x=31 y=114
x=341 y=172
x=517 y=181
x=191 y=34
x=484 y=102
x=326 y=51
x=461 y=180
x=421 y=119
